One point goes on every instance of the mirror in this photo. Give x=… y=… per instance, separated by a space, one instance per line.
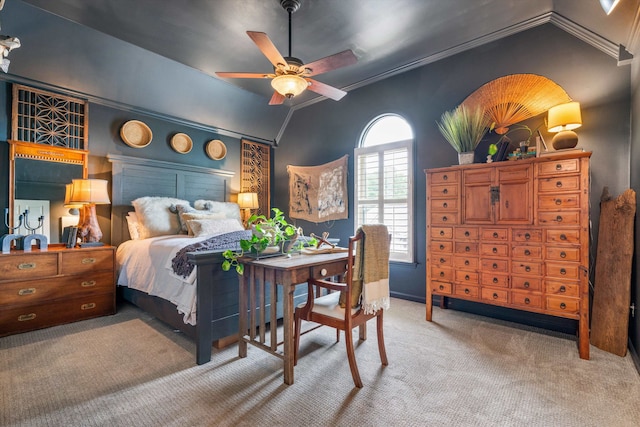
x=38 y=174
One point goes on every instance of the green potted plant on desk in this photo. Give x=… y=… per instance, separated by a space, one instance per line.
x=270 y=236
x=464 y=128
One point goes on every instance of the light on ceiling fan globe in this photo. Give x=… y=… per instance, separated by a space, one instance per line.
x=289 y=85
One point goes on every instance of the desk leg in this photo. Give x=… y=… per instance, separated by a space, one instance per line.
x=288 y=332
x=242 y=311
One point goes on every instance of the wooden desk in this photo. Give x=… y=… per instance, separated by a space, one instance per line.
x=255 y=299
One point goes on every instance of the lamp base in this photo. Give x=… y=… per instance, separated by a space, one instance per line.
x=564 y=139
x=88 y=228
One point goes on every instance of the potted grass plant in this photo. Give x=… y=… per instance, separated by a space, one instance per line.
x=464 y=128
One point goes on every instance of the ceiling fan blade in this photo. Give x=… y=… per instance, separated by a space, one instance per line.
x=326 y=90
x=267 y=47
x=234 y=75
x=276 y=99
x=328 y=63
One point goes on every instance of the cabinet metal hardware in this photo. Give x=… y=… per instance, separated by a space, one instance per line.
x=527 y=268
x=467 y=234
x=527 y=236
x=563 y=237
x=445 y=205
x=495 y=250
x=466 y=290
x=495 y=280
x=495 y=194
x=563 y=271
x=442 y=232
x=562 y=289
x=526 y=284
x=527 y=252
x=88 y=306
x=26 y=317
x=563 y=254
x=445 y=191
x=88 y=260
x=563 y=305
x=559 y=218
x=444 y=218
x=466 y=277
x=442 y=274
x=467 y=248
x=27 y=266
x=27 y=291
x=466 y=262
x=441 y=247
x=559 y=184
x=558 y=202
x=558 y=167
x=495 y=235
x=88 y=283
x=441 y=287
x=445 y=177
x=495 y=266
x=526 y=301
x=442 y=260
x=495 y=296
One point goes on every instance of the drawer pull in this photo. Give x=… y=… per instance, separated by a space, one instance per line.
x=323 y=273
x=442 y=232
x=445 y=177
x=527 y=236
x=88 y=306
x=467 y=234
x=563 y=254
x=27 y=266
x=526 y=285
x=527 y=301
x=495 y=235
x=558 y=167
x=563 y=305
x=26 y=317
x=527 y=268
x=495 y=265
x=563 y=271
x=441 y=288
x=442 y=260
x=445 y=205
x=527 y=252
x=562 y=289
x=444 y=218
x=466 y=277
x=89 y=283
x=563 y=237
x=27 y=291
x=559 y=218
x=445 y=191
x=441 y=247
x=467 y=248
x=495 y=250
x=495 y=296
x=495 y=280
x=442 y=274
x=88 y=260
x=558 y=202
x=466 y=262
x=467 y=291
x=559 y=184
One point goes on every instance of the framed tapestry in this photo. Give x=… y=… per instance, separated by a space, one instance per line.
x=255 y=171
x=319 y=193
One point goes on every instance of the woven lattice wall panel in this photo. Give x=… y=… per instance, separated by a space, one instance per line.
x=255 y=173
x=48 y=118
x=516 y=97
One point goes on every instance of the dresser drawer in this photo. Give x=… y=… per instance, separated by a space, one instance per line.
x=563 y=236
x=563 y=305
x=444 y=218
x=559 y=167
x=28 y=266
x=441 y=233
x=495 y=279
x=559 y=201
x=86 y=261
x=466 y=233
x=559 y=218
x=494 y=295
x=525 y=299
x=494 y=249
x=441 y=273
x=562 y=253
x=34 y=291
x=531 y=235
x=444 y=191
x=495 y=265
x=442 y=260
x=565 y=270
x=465 y=262
x=446 y=205
x=337 y=268
x=441 y=287
x=495 y=234
x=526 y=283
x=533 y=252
x=559 y=184
x=442 y=247
x=467 y=277
x=466 y=291
x=27 y=318
x=444 y=177
x=524 y=267
x=468 y=248
x=569 y=289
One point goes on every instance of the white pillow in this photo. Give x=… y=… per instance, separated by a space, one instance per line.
x=205 y=215
x=134 y=226
x=230 y=210
x=156 y=217
x=207 y=227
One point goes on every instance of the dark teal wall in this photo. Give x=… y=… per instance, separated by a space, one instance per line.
x=328 y=130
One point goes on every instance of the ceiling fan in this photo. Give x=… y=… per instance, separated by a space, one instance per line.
x=291 y=76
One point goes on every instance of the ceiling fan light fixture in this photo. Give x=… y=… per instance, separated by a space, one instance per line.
x=608 y=5
x=289 y=85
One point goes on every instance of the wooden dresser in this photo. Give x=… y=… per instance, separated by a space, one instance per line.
x=513 y=234
x=39 y=289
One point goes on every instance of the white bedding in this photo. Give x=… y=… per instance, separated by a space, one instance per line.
x=145 y=265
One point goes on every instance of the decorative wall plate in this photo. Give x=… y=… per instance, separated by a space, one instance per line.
x=182 y=143
x=136 y=134
x=216 y=150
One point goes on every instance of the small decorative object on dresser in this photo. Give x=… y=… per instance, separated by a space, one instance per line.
x=514 y=235
x=464 y=128
x=39 y=289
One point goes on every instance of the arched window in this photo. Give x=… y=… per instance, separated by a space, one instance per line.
x=383 y=181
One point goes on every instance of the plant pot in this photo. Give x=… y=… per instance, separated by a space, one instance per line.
x=466 y=158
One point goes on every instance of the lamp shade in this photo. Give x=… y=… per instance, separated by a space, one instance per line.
x=289 y=85
x=89 y=191
x=67 y=198
x=248 y=200
x=564 y=117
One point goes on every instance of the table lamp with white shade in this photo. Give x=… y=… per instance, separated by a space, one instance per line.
x=247 y=201
x=89 y=193
x=563 y=119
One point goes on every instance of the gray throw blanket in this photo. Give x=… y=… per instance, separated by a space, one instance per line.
x=180 y=263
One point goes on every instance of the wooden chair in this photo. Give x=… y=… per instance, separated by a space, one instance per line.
x=326 y=311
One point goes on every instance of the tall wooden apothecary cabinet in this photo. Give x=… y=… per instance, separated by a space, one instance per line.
x=513 y=234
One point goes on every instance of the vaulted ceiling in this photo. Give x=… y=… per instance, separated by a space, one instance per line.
x=387 y=36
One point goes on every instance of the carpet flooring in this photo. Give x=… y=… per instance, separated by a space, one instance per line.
x=461 y=370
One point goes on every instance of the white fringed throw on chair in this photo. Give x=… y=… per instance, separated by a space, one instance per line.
x=374 y=267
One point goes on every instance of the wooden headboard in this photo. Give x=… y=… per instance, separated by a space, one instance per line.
x=132 y=177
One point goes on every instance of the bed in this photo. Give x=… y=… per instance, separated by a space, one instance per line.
x=212 y=293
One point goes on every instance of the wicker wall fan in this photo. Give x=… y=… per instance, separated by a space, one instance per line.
x=516 y=97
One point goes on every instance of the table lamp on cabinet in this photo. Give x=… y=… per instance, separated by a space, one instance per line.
x=563 y=119
x=89 y=193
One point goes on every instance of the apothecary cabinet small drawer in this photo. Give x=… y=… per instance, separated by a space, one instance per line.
x=494 y=295
x=559 y=218
x=442 y=260
x=495 y=234
x=521 y=267
x=563 y=305
x=441 y=273
x=494 y=249
x=442 y=247
x=465 y=262
x=466 y=291
x=466 y=233
x=441 y=287
x=526 y=299
x=469 y=248
x=562 y=288
x=441 y=232
x=446 y=205
x=563 y=270
x=522 y=251
x=495 y=265
x=444 y=190
x=562 y=253
x=74 y=262
x=444 y=177
x=463 y=276
x=527 y=235
x=494 y=279
x=444 y=218
x=526 y=283
x=28 y=266
x=563 y=236
x=559 y=167
x=559 y=201
x=561 y=183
